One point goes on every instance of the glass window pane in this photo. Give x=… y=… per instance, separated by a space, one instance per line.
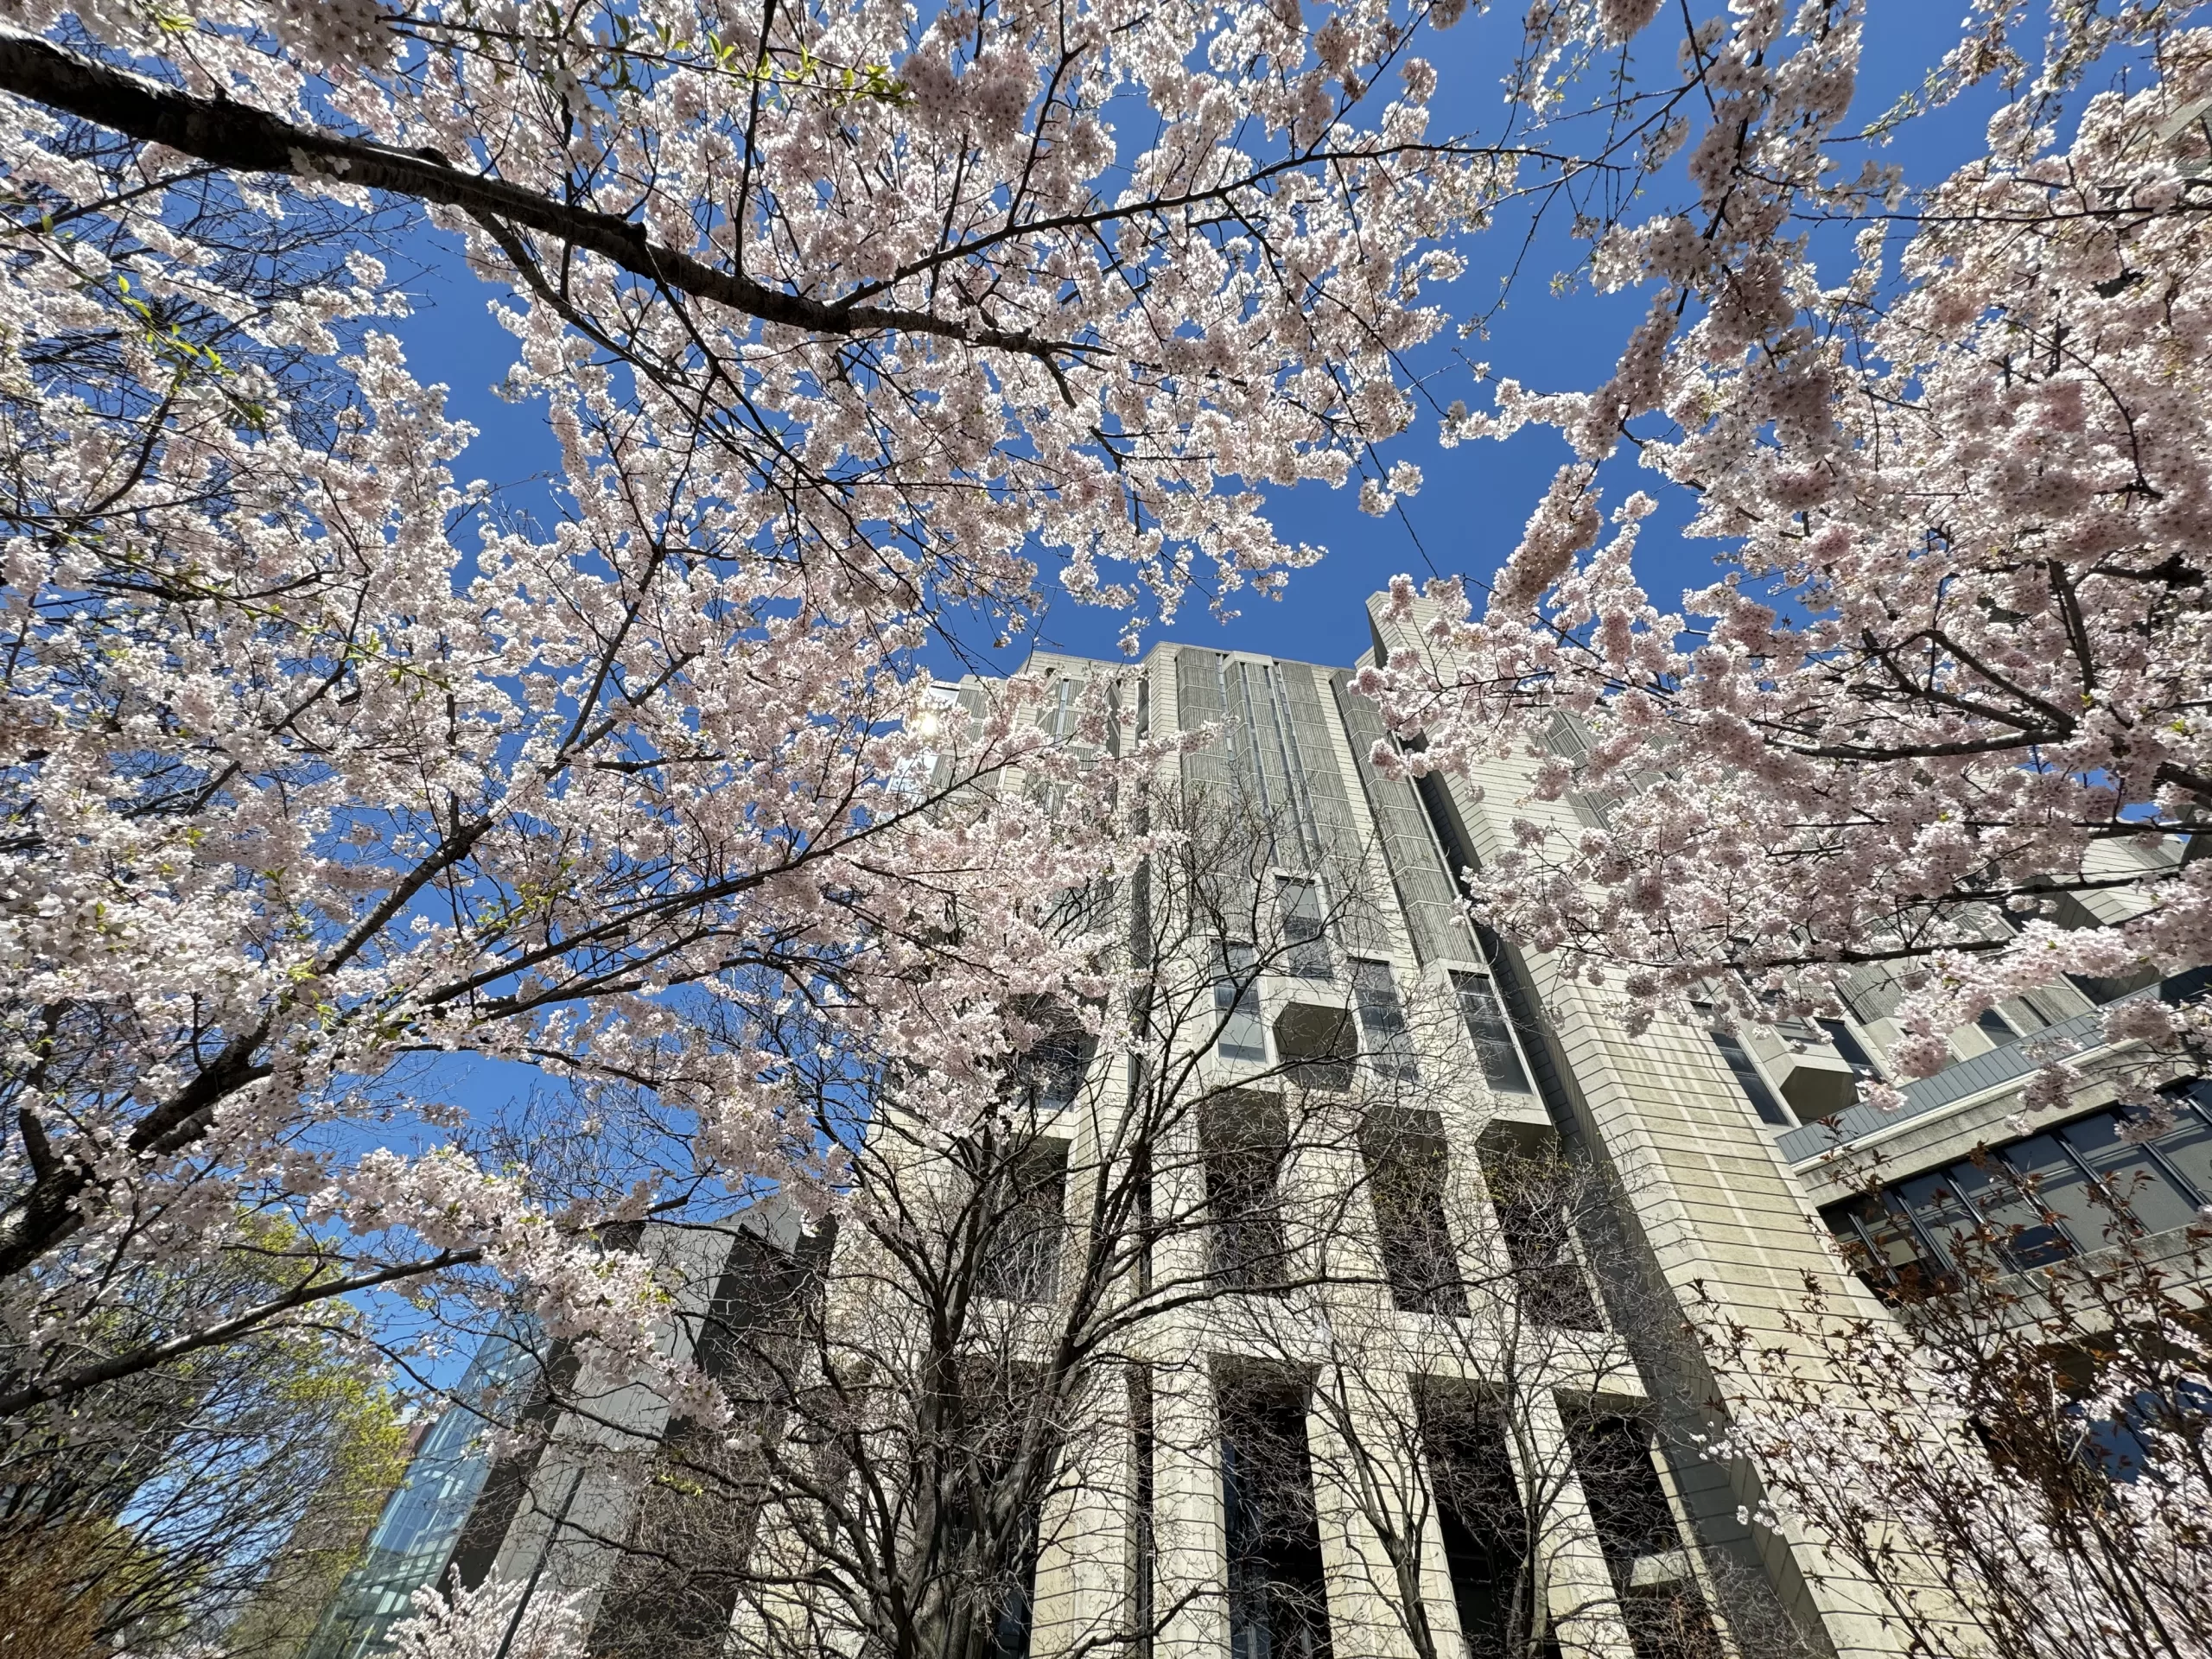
x=1934 y=1203
x=1236 y=1005
x=1748 y=1078
x=2188 y=1143
x=1305 y=937
x=1492 y=1037
x=1382 y=1021
x=1851 y=1050
x=2015 y=1222
x=1877 y=1240
x=2129 y=1173
x=2060 y=1187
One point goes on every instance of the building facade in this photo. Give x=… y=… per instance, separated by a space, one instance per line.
x=1331 y=1304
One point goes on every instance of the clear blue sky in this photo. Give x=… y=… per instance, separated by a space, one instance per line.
x=1470 y=512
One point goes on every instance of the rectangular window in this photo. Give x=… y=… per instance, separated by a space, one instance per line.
x=1668 y=1620
x=2009 y=1215
x=2076 y=1187
x=1049 y=1073
x=1305 y=940
x=1530 y=1192
x=2130 y=1174
x=1237 y=1005
x=1492 y=1037
x=2188 y=1145
x=1748 y=1078
x=1943 y=1216
x=1482 y=1519
x=1024 y=1223
x=1405 y=1166
x=1245 y=1139
x=1995 y=1026
x=1882 y=1243
x=1382 y=1021
x=1850 y=1049
x=1278 y=1602
x=1144 y=1561
x=2061 y=1186
x=992 y=1480
x=1660 y=1601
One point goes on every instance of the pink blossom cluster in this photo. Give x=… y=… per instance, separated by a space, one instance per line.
x=1944 y=715
x=324 y=764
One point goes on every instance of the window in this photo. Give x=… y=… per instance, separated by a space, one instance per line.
x=2049 y=1167
x=1059 y=720
x=1748 y=1078
x=1278 y=1602
x=1316 y=1045
x=1245 y=1139
x=1850 y=1050
x=1237 y=1005
x=1144 y=1555
x=2135 y=1177
x=1660 y=1601
x=2038 y=1199
x=1529 y=1188
x=1995 y=1026
x=991 y=1479
x=1305 y=938
x=1406 y=1165
x=2187 y=1147
x=1482 y=1519
x=1492 y=1037
x=1048 y=1073
x=1883 y=1242
x=1024 y=1219
x=1382 y=1021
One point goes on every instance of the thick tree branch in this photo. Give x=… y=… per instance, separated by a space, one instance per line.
x=244 y=139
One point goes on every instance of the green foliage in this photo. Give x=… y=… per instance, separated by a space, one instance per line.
x=224 y=1495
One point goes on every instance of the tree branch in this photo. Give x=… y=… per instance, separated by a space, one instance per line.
x=244 y=139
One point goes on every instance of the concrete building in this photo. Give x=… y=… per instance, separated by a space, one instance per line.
x=1395 y=1367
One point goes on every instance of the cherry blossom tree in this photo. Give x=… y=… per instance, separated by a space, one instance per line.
x=1945 y=708
x=324 y=764
x=2018 y=1467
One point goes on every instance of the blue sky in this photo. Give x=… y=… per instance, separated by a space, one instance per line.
x=1469 y=514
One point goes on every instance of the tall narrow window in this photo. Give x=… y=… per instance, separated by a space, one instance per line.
x=1382 y=1021
x=990 y=1486
x=1049 y=1073
x=1405 y=1164
x=1237 y=1005
x=1245 y=1139
x=1482 y=1520
x=1492 y=1037
x=1278 y=1603
x=1748 y=1078
x=1060 y=722
x=1025 y=1202
x=1143 y=1543
x=1532 y=1189
x=1305 y=933
x=1660 y=1600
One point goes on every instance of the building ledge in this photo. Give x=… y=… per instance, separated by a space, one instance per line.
x=1980 y=1075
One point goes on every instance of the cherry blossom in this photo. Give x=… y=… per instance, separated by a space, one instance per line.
x=1945 y=708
